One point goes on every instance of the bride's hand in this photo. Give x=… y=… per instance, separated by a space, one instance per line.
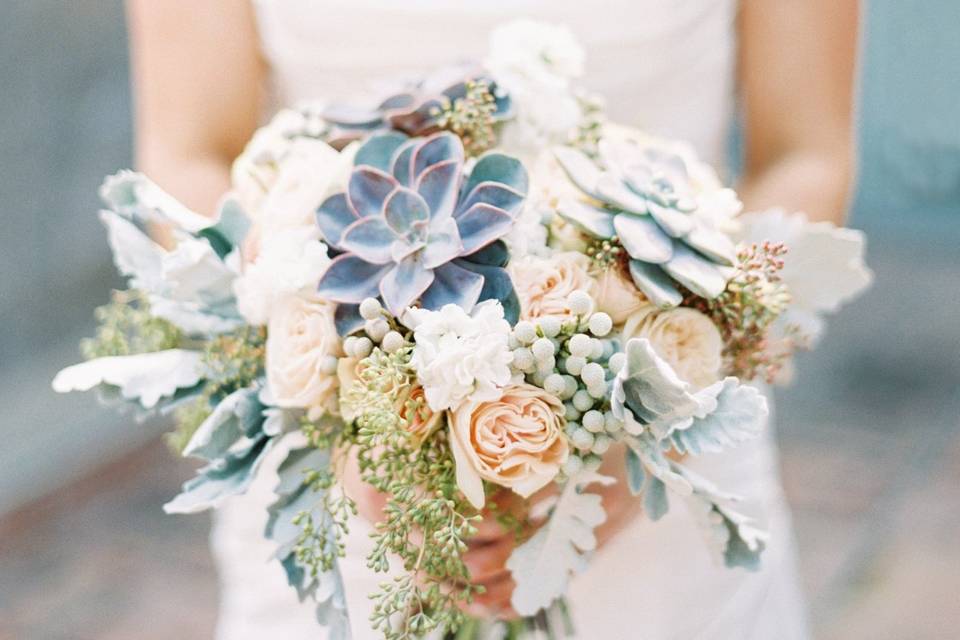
x=489 y=550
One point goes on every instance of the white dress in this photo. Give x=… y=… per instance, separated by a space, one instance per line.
x=664 y=65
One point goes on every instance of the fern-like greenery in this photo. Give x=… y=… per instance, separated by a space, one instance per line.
x=745 y=312
x=426 y=519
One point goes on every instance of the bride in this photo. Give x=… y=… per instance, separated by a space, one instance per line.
x=207 y=73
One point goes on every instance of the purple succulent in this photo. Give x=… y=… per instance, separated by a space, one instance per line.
x=413 y=110
x=412 y=227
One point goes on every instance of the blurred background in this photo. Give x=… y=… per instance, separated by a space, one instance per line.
x=870 y=430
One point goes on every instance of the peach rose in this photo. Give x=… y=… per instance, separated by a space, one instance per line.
x=515 y=442
x=302 y=351
x=543 y=284
x=617 y=296
x=685 y=338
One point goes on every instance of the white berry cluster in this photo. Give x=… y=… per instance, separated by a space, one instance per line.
x=574 y=360
x=378 y=331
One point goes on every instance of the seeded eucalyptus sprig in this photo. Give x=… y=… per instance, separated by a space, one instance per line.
x=753 y=300
x=426 y=519
x=125 y=327
x=471 y=118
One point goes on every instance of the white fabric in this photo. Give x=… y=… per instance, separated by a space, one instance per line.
x=665 y=65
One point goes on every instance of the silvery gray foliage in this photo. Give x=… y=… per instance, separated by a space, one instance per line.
x=738 y=417
x=190 y=285
x=661 y=413
x=413 y=227
x=146 y=378
x=642 y=196
x=293 y=497
x=543 y=565
x=649 y=396
x=732 y=536
x=234 y=439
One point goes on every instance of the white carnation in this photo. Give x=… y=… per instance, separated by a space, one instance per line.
x=535 y=63
x=459 y=355
x=290 y=263
x=541 y=51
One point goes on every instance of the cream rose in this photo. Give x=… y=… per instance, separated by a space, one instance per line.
x=618 y=297
x=543 y=284
x=515 y=442
x=685 y=338
x=302 y=351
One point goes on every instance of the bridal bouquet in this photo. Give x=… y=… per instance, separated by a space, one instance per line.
x=473 y=286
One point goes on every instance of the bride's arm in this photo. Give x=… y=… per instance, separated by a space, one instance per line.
x=197 y=78
x=797 y=63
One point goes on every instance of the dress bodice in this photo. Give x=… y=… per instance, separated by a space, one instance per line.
x=666 y=66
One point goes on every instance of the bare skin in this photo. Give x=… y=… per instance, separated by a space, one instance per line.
x=198 y=80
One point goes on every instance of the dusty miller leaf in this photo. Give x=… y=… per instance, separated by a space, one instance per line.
x=294 y=496
x=145 y=377
x=543 y=565
x=733 y=536
x=222 y=478
x=740 y=415
x=239 y=415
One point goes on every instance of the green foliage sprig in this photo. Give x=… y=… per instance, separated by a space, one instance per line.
x=233 y=360
x=126 y=327
x=471 y=118
x=744 y=313
x=426 y=519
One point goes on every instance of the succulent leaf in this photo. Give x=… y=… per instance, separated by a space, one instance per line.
x=494 y=254
x=368 y=189
x=453 y=285
x=596 y=222
x=580 y=169
x=445 y=243
x=494 y=194
x=695 y=272
x=438 y=186
x=713 y=244
x=481 y=225
x=413 y=110
x=674 y=222
x=612 y=190
x=402 y=168
x=379 y=151
x=347 y=319
x=497 y=285
x=403 y=210
x=655 y=284
x=436 y=149
x=369 y=238
x=643 y=239
x=501 y=168
x=333 y=216
x=404 y=283
x=349 y=278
